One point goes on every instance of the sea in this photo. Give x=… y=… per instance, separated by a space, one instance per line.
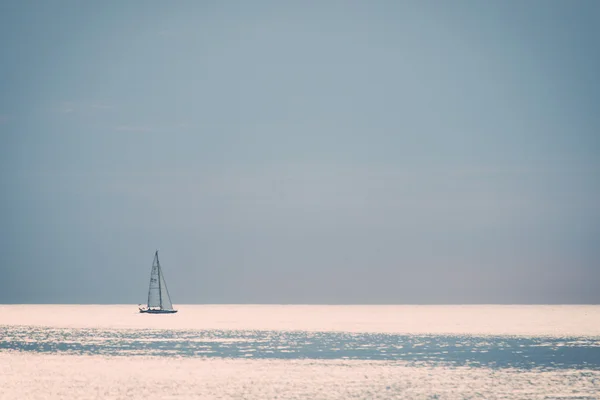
x=300 y=352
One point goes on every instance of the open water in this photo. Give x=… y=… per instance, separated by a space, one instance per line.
x=300 y=352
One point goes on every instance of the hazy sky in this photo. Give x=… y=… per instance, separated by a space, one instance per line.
x=301 y=151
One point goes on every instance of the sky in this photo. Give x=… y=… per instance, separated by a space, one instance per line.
x=312 y=152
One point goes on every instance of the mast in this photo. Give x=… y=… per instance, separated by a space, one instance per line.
x=158 y=276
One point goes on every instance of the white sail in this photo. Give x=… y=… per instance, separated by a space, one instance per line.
x=164 y=294
x=154 y=290
x=158 y=294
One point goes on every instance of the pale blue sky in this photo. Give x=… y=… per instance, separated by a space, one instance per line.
x=300 y=152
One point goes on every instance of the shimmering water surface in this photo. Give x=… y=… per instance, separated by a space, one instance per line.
x=493 y=352
x=538 y=351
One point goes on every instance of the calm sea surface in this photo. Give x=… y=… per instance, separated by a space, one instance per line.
x=254 y=351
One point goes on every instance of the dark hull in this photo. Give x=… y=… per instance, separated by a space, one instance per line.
x=146 y=311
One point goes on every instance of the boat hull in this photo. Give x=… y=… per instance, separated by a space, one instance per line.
x=147 y=311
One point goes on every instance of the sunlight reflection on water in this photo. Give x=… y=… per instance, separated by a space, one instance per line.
x=492 y=352
x=302 y=352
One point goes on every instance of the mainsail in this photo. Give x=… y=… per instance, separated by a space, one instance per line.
x=158 y=294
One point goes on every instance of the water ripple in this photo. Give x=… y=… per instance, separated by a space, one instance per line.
x=491 y=352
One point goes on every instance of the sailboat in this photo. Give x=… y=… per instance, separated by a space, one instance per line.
x=159 y=301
